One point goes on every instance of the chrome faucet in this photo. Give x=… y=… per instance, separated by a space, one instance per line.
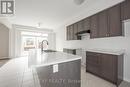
x=42 y=44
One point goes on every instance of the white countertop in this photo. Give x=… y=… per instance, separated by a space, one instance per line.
x=107 y=51
x=38 y=58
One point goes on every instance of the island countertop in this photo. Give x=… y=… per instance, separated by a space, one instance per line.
x=37 y=58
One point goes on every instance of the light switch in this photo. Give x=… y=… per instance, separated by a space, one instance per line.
x=55 y=68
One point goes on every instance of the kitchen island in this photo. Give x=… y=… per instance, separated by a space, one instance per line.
x=56 y=69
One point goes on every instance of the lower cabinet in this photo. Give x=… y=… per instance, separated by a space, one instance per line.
x=106 y=66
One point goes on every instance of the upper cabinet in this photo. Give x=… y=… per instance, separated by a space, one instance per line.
x=125 y=10
x=107 y=23
x=114 y=21
x=69 y=32
x=94 y=26
x=86 y=24
x=80 y=26
x=103 y=24
x=75 y=26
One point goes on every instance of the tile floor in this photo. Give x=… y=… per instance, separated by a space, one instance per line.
x=16 y=73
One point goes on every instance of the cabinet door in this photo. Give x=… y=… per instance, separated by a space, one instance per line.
x=71 y=30
x=75 y=31
x=125 y=10
x=114 y=20
x=94 y=26
x=93 y=63
x=67 y=33
x=80 y=26
x=109 y=67
x=86 y=24
x=103 y=24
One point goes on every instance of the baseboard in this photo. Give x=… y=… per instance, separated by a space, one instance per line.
x=125 y=84
x=126 y=80
x=5 y=58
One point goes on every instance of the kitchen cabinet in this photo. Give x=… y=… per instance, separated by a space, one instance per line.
x=71 y=30
x=106 y=66
x=107 y=23
x=67 y=33
x=114 y=21
x=109 y=67
x=125 y=10
x=93 y=63
x=94 y=26
x=103 y=24
x=75 y=31
x=80 y=26
x=66 y=75
x=86 y=24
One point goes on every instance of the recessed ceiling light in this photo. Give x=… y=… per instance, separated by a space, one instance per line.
x=78 y=2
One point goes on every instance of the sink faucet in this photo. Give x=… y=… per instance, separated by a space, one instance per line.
x=42 y=44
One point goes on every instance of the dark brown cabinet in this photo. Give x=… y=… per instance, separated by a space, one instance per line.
x=125 y=10
x=80 y=26
x=114 y=21
x=71 y=32
x=93 y=63
x=94 y=26
x=68 y=73
x=106 y=66
x=86 y=24
x=107 y=23
x=67 y=33
x=75 y=31
x=103 y=24
x=109 y=67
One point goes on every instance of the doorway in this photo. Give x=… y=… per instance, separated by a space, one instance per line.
x=32 y=41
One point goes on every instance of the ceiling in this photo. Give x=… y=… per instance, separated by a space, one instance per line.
x=50 y=13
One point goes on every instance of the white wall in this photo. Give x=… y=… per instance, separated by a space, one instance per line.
x=102 y=43
x=6 y=22
x=4 y=41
